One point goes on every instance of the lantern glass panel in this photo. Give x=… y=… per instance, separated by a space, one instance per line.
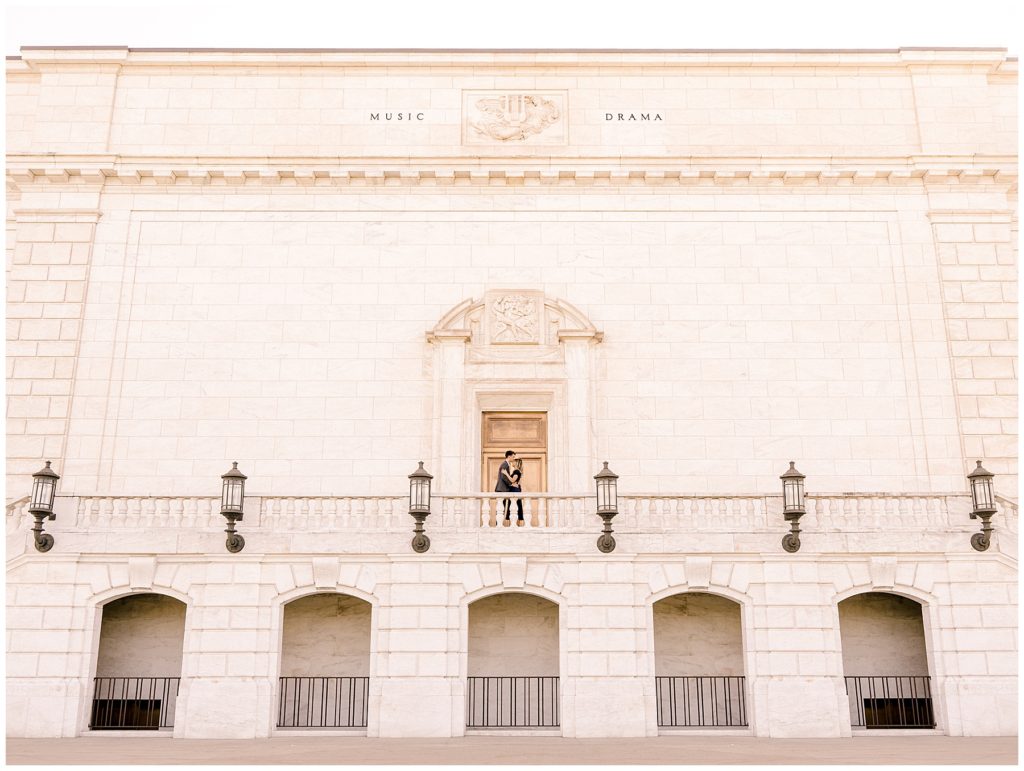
x=981 y=488
x=606 y=495
x=233 y=495
x=794 y=494
x=419 y=494
x=43 y=490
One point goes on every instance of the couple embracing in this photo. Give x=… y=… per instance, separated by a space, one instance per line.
x=509 y=475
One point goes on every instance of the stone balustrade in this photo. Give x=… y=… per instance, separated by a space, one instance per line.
x=551 y=512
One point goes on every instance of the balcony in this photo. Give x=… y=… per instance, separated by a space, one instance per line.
x=474 y=522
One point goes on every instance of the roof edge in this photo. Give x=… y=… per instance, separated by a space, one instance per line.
x=174 y=49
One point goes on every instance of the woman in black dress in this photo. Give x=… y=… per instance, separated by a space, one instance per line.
x=517 y=475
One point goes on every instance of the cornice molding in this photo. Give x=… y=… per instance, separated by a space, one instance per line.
x=45 y=57
x=28 y=170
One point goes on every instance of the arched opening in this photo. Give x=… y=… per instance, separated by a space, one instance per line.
x=325 y=662
x=138 y=666
x=885 y=662
x=513 y=663
x=698 y=662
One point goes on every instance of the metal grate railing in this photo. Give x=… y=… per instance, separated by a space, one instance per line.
x=133 y=703
x=512 y=702
x=701 y=702
x=323 y=702
x=890 y=701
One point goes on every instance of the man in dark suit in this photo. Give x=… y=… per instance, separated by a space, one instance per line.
x=505 y=481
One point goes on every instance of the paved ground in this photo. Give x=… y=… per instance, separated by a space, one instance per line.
x=492 y=750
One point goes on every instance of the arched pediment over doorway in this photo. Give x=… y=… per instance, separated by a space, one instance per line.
x=513 y=350
x=514 y=325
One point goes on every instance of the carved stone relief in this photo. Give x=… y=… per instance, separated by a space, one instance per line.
x=514 y=318
x=495 y=117
x=510 y=325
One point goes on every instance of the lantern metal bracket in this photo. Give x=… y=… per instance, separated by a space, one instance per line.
x=605 y=541
x=43 y=541
x=791 y=540
x=234 y=542
x=981 y=541
x=420 y=541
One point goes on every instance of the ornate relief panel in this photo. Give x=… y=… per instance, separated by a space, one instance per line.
x=514 y=318
x=514 y=117
x=510 y=325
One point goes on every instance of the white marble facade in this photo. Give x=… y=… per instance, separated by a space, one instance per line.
x=327 y=265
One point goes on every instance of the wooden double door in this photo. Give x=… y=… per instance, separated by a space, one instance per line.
x=524 y=432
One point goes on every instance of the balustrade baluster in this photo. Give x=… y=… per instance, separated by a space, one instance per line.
x=347 y=515
x=916 y=510
x=163 y=506
x=80 y=513
x=132 y=512
x=557 y=512
x=174 y=512
x=827 y=512
x=148 y=511
x=121 y=511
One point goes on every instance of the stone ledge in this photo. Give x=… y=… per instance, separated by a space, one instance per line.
x=500 y=177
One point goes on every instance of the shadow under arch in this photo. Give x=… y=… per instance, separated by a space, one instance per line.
x=461 y=707
x=895 y=649
x=369 y=699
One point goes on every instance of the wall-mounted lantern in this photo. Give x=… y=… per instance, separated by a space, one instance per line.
x=232 y=501
x=792 y=506
x=419 y=506
x=984 y=500
x=607 y=505
x=44 y=490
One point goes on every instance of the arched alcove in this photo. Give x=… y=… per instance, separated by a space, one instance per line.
x=513 y=662
x=325 y=662
x=138 y=664
x=699 y=662
x=885 y=661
